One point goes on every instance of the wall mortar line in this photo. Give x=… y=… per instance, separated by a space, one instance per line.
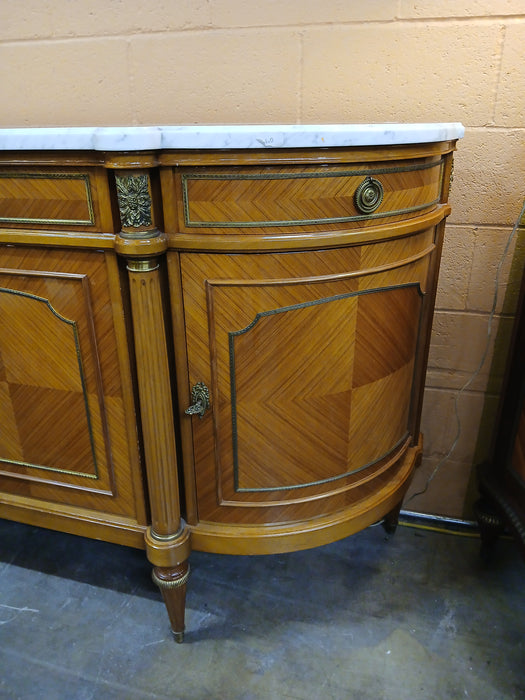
x=205 y=29
x=503 y=33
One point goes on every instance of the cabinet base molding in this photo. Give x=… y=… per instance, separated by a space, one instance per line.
x=313 y=532
x=96 y=526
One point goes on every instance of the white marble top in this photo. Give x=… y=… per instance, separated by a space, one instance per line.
x=146 y=138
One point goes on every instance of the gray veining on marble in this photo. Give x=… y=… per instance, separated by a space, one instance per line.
x=145 y=138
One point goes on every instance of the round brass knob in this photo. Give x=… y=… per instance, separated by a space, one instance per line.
x=369 y=195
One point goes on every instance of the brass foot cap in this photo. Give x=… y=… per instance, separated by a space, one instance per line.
x=178 y=636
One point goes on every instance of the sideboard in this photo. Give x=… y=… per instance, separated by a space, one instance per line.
x=215 y=338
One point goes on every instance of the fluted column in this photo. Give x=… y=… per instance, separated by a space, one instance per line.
x=142 y=245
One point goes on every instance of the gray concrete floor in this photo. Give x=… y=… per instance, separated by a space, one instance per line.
x=414 y=616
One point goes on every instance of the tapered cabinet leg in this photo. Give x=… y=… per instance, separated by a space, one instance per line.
x=172 y=584
x=392 y=519
x=491 y=526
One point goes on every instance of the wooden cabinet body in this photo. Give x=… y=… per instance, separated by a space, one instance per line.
x=296 y=285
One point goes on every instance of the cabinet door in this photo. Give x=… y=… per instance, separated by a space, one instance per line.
x=310 y=360
x=67 y=438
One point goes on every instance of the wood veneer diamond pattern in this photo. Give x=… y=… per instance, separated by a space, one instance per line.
x=387 y=327
x=10 y=444
x=342 y=401
x=386 y=403
x=43 y=392
x=223 y=294
x=24 y=318
x=82 y=286
x=59 y=420
x=293 y=394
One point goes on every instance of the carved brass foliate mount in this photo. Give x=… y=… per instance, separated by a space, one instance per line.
x=134 y=201
x=200 y=397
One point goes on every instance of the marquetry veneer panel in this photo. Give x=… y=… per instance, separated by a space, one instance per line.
x=62 y=403
x=43 y=198
x=311 y=375
x=341 y=377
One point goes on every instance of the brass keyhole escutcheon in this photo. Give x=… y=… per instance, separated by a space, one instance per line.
x=200 y=397
x=368 y=196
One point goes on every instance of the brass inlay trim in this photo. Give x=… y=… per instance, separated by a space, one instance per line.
x=74 y=327
x=48 y=469
x=451 y=179
x=177 y=583
x=139 y=235
x=167 y=538
x=185 y=177
x=387 y=461
x=142 y=265
x=231 y=343
x=52 y=176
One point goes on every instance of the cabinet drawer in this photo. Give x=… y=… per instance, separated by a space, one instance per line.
x=41 y=198
x=280 y=200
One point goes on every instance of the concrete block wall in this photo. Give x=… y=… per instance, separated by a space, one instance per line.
x=111 y=62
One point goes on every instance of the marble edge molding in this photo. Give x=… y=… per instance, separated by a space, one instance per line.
x=146 y=138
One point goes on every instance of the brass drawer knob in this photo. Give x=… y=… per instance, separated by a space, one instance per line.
x=369 y=195
x=200 y=396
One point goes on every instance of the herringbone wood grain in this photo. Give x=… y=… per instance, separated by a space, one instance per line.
x=65 y=438
x=311 y=375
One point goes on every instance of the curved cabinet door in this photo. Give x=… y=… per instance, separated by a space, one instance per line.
x=310 y=360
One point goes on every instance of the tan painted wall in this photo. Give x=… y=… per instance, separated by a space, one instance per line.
x=110 y=62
